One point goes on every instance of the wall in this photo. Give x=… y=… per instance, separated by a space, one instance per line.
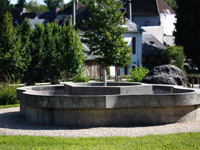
x=167 y=21
x=169 y=40
x=154 y=20
x=156 y=31
x=136 y=58
x=92 y=69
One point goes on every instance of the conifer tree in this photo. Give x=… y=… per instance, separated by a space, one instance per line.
x=70 y=53
x=14 y=59
x=187 y=25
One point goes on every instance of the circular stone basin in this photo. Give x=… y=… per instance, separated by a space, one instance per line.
x=92 y=104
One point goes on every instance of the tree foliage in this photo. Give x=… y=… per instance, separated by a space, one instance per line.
x=20 y=3
x=57 y=47
x=175 y=55
x=186 y=33
x=52 y=4
x=33 y=6
x=4 y=6
x=85 y=2
x=14 y=59
x=172 y=4
x=104 y=35
x=43 y=48
x=70 y=54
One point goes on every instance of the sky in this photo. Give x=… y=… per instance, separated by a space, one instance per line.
x=38 y=1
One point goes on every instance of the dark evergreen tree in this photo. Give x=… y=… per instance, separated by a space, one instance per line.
x=52 y=4
x=70 y=53
x=20 y=3
x=43 y=48
x=14 y=58
x=187 y=26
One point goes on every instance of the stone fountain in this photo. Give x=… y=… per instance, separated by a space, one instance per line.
x=117 y=104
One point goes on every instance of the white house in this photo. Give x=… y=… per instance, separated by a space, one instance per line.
x=134 y=38
x=153 y=14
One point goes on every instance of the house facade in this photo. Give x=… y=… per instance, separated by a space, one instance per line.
x=134 y=38
x=148 y=13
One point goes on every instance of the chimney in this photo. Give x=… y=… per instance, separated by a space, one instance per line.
x=130 y=11
x=57 y=9
x=74 y=13
x=65 y=6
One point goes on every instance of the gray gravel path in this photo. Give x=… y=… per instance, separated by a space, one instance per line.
x=12 y=123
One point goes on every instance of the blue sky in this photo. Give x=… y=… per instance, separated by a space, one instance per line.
x=38 y=1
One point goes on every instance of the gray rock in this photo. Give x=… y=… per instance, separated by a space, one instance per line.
x=166 y=74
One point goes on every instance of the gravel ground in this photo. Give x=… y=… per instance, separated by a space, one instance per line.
x=12 y=123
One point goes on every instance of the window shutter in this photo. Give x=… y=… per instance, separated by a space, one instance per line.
x=133 y=45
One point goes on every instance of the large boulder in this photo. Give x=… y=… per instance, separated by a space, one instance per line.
x=166 y=74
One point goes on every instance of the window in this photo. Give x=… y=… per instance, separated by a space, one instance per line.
x=133 y=45
x=147 y=23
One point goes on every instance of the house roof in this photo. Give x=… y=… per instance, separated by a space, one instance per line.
x=49 y=15
x=16 y=12
x=31 y=15
x=164 y=8
x=34 y=21
x=150 y=7
x=68 y=8
x=132 y=27
x=84 y=15
x=151 y=46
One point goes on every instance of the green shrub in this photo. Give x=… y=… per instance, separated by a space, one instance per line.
x=137 y=74
x=175 y=54
x=81 y=78
x=8 y=94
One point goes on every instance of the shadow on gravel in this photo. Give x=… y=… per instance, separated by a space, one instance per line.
x=14 y=120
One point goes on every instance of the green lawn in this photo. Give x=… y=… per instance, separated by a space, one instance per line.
x=170 y=141
x=9 y=106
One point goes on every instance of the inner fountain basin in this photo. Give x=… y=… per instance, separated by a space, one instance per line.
x=118 y=104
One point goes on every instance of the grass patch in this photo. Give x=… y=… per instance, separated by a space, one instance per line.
x=170 y=141
x=9 y=106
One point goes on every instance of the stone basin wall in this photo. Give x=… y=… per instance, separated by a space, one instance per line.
x=141 y=104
